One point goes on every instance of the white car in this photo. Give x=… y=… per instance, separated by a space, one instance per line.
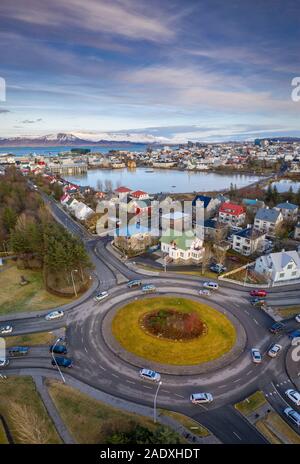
x=7 y=329
x=294 y=396
x=101 y=296
x=256 y=356
x=274 y=350
x=199 y=398
x=3 y=362
x=211 y=285
x=204 y=292
x=293 y=415
x=54 y=315
x=148 y=374
x=297 y=318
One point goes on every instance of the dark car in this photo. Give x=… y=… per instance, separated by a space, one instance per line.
x=277 y=328
x=59 y=349
x=294 y=334
x=62 y=362
x=218 y=268
x=18 y=350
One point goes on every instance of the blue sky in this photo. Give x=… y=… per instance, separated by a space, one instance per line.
x=201 y=70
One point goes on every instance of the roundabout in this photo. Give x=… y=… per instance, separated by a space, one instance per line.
x=172 y=330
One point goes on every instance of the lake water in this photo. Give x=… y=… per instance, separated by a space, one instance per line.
x=53 y=151
x=284 y=185
x=162 y=180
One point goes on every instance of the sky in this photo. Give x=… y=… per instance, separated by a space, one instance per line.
x=206 y=70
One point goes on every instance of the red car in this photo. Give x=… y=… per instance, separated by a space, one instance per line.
x=260 y=293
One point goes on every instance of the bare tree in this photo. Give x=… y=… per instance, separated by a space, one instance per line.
x=99 y=185
x=206 y=258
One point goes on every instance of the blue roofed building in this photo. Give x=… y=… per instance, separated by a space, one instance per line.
x=288 y=210
x=249 y=241
x=267 y=220
x=206 y=205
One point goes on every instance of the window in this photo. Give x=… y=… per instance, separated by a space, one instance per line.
x=281 y=275
x=294 y=273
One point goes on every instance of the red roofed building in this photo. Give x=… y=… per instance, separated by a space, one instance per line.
x=122 y=191
x=139 y=195
x=232 y=214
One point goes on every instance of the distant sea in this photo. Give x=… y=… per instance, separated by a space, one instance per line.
x=54 y=151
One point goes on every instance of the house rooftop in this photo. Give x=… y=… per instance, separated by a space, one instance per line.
x=287 y=205
x=231 y=208
x=268 y=215
x=249 y=232
x=122 y=190
x=202 y=198
x=182 y=240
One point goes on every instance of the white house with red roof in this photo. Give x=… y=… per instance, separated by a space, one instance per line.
x=139 y=195
x=232 y=214
x=122 y=191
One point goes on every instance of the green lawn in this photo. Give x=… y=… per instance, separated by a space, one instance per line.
x=288 y=312
x=250 y=404
x=39 y=338
x=3 y=437
x=219 y=338
x=32 y=297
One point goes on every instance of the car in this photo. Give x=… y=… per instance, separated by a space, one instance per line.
x=257 y=302
x=148 y=374
x=294 y=334
x=256 y=356
x=274 y=350
x=59 y=349
x=293 y=415
x=6 y=329
x=54 y=315
x=297 y=318
x=293 y=395
x=259 y=293
x=100 y=296
x=276 y=328
x=61 y=361
x=199 y=398
x=204 y=292
x=149 y=288
x=134 y=283
x=18 y=350
x=218 y=268
x=211 y=285
x=4 y=362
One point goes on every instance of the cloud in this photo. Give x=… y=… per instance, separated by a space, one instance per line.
x=31 y=121
x=4 y=111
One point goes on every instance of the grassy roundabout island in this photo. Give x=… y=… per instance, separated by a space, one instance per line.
x=175 y=331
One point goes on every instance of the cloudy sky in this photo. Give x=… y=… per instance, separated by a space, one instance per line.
x=199 y=70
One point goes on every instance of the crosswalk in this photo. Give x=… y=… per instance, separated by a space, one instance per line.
x=274 y=391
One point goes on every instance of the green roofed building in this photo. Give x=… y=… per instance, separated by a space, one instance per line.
x=183 y=246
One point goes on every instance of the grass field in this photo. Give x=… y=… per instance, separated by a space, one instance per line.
x=187 y=422
x=219 y=338
x=289 y=312
x=40 y=338
x=19 y=399
x=32 y=297
x=251 y=403
x=276 y=430
x=3 y=437
x=88 y=419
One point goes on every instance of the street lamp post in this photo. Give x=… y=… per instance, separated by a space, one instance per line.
x=52 y=353
x=74 y=270
x=155 y=401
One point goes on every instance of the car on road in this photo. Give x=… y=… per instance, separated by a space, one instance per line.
x=294 y=334
x=211 y=285
x=297 y=318
x=61 y=361
x=149 y=288
x=277 y=328
x=199 y=398
x=274 y=350
x=148 y=374
x=293 y=415
x=293 y=395
x=4 y=362
x=18 y=350
x=6 y=329
x=59 y=349
x=100 y=296
x=54 y=315
x=218 y=268
x=259 y=293
x=204 y=292
x=256 y=356
x=134 y=283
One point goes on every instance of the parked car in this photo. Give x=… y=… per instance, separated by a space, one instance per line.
x=100 y=296
x=259 y=293
x=256 y=356
x=4 y=362
x=134 y=283
x=218 y=268
x=297 y=318
x=54 y=315
x=18 y=350
x=59 y=349
x=274 y=350
x=259 y=302
x=6 y=329
x=293 y=416
x=211 y=285
x=148 y=374
x=149 y=288
x=199 y=398
x=294 y=334
x=293 y=395
x=61 y=361
x=276 y=328
x=204 y=292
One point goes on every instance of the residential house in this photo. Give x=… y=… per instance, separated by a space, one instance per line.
x=288 y=210
x=122 y=192
x=267 y=220
x=139 y=195
x=134 y=238
x=182 y=246
x=253 y=205
x=279 y=267
x=209 y=205
x=175 y=220
x=249 y=241
x=297 y=231
x=232 y=214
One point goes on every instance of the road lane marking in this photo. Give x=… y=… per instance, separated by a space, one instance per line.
x=237 y=435
x=149 y=388
x=130 y=381
x=255 y=321
x=165 y=391
x=237 y=380
x=179 y=396
x=249 y=372
x=103 y=368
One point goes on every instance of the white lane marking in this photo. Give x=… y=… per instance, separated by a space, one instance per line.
x=179 y=396
x=247 y=312
x=255 y=321
x=249 y=372
x=103 y=368
x=236 y=380
x=130 y=381
x=145 y=386
x=222 y=386
x=85 y=349
x=237 y=435
x=115 y=375
x=165 y=391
